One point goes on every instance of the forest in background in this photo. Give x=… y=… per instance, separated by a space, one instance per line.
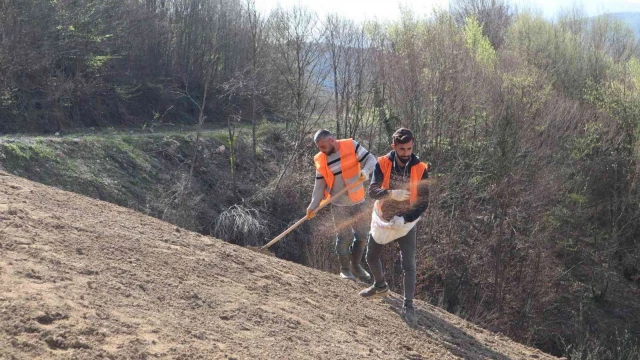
x=531 y=127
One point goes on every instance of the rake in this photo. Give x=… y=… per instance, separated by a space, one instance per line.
x=322 y=204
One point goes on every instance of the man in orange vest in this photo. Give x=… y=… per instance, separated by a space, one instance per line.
x=341 y=163
x=399 y=180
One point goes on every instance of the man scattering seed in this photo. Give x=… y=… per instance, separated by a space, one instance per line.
x=399 y=181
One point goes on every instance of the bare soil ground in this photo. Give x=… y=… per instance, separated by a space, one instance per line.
x=85 y=279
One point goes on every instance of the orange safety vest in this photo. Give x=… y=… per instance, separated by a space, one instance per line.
x=417 y=171
x=350 y=170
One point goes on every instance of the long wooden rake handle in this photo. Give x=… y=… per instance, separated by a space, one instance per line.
x=323 y=204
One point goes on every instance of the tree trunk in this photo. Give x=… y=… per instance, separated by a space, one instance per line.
x=232 y=156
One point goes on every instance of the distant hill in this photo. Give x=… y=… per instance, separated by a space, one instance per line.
x=631 y=18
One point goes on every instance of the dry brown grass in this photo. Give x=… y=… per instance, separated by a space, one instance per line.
x=240 y=225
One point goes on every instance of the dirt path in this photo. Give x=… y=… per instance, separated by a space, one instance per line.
x=85 y=279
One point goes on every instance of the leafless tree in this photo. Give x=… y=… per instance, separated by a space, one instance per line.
x=494 y=15
x=299 y=71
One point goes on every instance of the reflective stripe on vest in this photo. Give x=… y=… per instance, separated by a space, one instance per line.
x=417 y=171
x=350 y=167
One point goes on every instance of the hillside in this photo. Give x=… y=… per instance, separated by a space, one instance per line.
x=81 y=278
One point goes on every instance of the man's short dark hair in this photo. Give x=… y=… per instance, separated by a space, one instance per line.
x=402 y=136
x=321 y=135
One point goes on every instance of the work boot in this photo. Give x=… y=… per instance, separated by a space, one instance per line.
x=375 y=290
x=360 y=272
x=345 y=268
x=409 y=313
x=356 y=258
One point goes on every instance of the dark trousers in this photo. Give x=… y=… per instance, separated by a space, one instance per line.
x=352 y=226
x=408 y=255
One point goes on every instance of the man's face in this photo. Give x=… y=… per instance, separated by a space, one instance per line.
x=403 y=151
x=327 y=146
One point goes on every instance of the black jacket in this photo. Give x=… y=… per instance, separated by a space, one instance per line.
x=399 y=180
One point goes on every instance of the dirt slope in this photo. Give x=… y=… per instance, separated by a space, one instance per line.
x=85 y=279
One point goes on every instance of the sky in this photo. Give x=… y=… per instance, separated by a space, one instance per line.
x=360 y=10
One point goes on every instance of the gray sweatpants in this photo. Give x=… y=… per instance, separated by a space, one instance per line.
x=352 y=226
x=408 y=255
